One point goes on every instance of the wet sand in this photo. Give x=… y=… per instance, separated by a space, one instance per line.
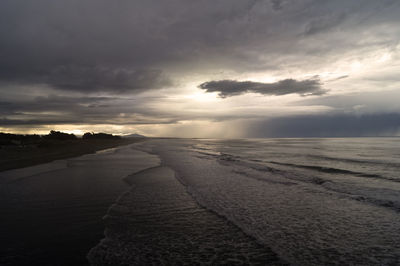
x=45 y=151
x=52 y=213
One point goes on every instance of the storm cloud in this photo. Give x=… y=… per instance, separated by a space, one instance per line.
x=131 y=46
x=140 y=62
x=228 y=88
x=117 y=80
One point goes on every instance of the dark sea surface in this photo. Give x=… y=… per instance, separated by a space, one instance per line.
x=313 y=201
x=190 y=201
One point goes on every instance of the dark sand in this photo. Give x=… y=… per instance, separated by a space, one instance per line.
x=13 y=157
x=52 y=214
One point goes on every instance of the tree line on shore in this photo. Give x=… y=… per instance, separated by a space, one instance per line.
x=18 y=139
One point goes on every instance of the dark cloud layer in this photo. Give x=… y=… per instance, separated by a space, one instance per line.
x=227 y=88
x=84 y=50
x=88 y=79
x=56 y=110
x=98 y=45
x=81 y=78
x=126 y=46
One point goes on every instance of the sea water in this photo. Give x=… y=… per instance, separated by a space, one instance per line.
x=199 y=201
x=313 y=201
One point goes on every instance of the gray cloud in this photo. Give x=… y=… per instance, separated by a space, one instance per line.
x=87 y=78
x=228 y=88
x=276 y=4
x=58 y=110
x=83 y=49
x=102 y=46
x=323 y=24
x=105 y=79
x=98 y=45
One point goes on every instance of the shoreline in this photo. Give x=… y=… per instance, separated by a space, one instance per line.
x=157 y=221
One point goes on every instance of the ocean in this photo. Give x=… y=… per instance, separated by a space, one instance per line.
x=209 y=201
x=312 y=201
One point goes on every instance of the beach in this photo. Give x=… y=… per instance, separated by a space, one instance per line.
x=52 y=213
x=45 y=151
x=188 y=201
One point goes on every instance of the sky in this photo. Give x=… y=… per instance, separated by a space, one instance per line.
x=201 y=68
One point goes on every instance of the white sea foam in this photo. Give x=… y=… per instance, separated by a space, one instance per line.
x=158 y=223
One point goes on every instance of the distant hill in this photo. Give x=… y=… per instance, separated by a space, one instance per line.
x=134 y=136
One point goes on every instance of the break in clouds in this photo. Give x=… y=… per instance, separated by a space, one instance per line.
x=137 y=65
